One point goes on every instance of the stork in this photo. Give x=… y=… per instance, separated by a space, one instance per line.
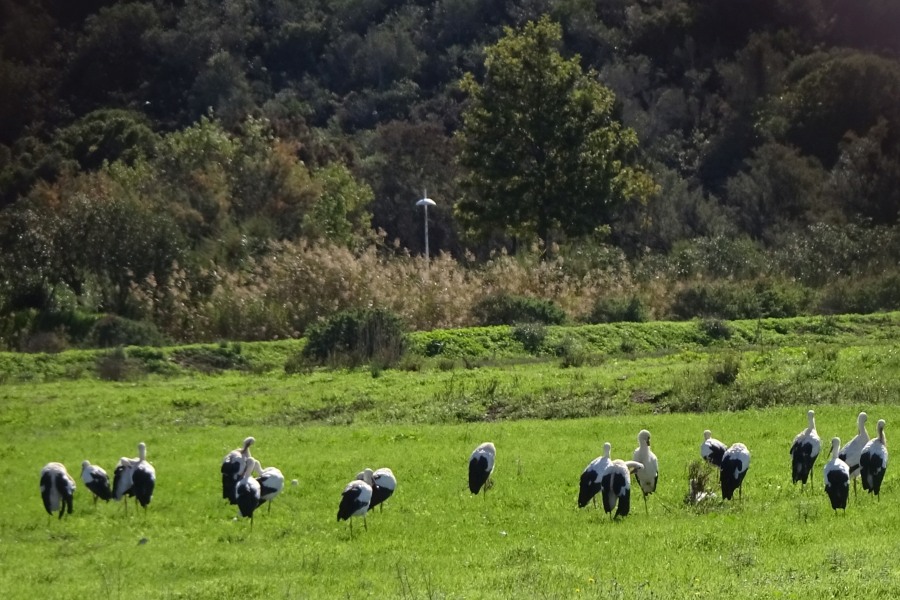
x=233 y=469
x=96 y=480
x=837 y=478
x=616 y=486
x=735 y=464
x=270 y=481
x=355 y=501
x=247 y=492
x=589 y=485
x=852 y=450
x=122 y=479
x=805 y=451
x=712 y=450
x=873 y=462
x=648 y=475
x=143 y=478
x=481 y=465
x=57 y=489
x=383 y=484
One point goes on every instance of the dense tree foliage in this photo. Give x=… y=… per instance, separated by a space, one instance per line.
x=154 y=153
x=542 y=150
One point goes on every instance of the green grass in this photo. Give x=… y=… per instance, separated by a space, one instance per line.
x=434 y=540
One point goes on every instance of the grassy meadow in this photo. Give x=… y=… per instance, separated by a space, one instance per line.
x=527 y=538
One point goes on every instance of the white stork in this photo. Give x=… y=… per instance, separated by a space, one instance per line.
x=615 y=486
x=355 y=501
x=837 y=478
x=481 y=465
x=143 y=479
x=122 y=479
x=852 y=450
x=247 y=492
x=589 y=485
x=233 y=469
x=712 y=450
x=648 y=475
x=735 y=464
x=873 y=462
x=57 y=489
x=383 y=484
x=134 y=477
x=805 y=451
x=270 y=481
x=96 y=480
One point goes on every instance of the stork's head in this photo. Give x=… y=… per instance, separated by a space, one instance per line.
x=644 y=437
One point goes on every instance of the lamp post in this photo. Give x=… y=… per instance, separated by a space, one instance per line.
x=426 y=202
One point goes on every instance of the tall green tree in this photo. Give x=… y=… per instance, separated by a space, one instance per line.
x=543 y=150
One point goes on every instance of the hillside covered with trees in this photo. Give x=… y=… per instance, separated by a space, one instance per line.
x=193 y=170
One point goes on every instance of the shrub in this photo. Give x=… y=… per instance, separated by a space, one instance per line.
x=296 y=363
x=530 y=335
x=726 y=372
x=357 y=336
x=572 y=352
x=508 y=309
x=614 y=310
x=50 y=342
x=863 y=296
x=209 y=359
x=111 y=331
x=715 y=329
x=731 y=300
x=113 y=366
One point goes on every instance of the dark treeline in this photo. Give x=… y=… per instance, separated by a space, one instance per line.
x=159 y=156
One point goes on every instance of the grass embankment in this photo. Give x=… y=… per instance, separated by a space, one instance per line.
x=434 y=540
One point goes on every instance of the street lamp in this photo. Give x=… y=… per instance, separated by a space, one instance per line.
x=426 y=202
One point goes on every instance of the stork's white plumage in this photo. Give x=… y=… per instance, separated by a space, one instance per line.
x=134 y=477
x=383 y=485
x=852 y=450
x=735 y=464
x=233 y=468
x=122 y=479
x=712 y=450
x=805 y=451
x=873 y=462
x=247 y=492
x=615 y=486
x=481 y=465
x=271 y=482
x=57 y=489
x=589 y=485
x=648 y=475
x=837 y=478
x=96 y=480
x=355 y=500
